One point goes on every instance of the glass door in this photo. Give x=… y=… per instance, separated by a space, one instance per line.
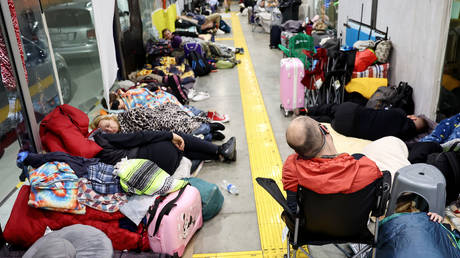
x=28 y=90
x=449 y=97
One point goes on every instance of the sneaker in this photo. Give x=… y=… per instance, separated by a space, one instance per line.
x=197 y=170
x=228 y=150
x=191 y=93
x=20 y=159
x=201 y=96
x=218 y=136
x=216 y=117
x=216 y=126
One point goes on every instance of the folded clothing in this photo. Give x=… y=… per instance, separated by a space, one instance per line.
x=103 y=178
x=102 y=202
x=54 y=186
x=141 y=176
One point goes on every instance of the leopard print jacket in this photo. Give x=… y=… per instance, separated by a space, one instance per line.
x=165 y=117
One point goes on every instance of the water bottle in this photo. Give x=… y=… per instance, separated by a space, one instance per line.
x=231 y=188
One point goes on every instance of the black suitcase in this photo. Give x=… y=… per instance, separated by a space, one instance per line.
x=275 y=36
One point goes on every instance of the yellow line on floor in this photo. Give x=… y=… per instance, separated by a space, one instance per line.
x=264 y=157
x=249 y=254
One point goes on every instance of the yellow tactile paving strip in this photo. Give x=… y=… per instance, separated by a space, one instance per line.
x=249 y=254
x=264 y=157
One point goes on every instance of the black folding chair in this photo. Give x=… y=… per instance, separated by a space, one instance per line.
x=332 y=218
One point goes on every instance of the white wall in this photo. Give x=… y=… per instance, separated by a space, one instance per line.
x=418 y=31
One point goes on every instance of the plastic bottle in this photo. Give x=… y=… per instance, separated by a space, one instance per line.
x=231 y=188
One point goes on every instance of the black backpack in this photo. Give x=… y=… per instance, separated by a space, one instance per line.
x=403 y=98
x=199 y=64
x=448 y=163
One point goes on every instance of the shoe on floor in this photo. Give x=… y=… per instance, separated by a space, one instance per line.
x=216 y=117
x=201 y=96
x=218 y=136
x=191 y=93
x=197 y=170
x=216 y=126
x=228 y=150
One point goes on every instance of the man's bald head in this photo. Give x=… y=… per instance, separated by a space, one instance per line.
x=303 y=136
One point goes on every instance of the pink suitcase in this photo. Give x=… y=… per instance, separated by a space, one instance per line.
x=181 y=218
x=292 y=91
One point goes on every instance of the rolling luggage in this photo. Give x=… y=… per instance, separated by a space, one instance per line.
x=275 y=36
x=292 y=91
x=173 y=220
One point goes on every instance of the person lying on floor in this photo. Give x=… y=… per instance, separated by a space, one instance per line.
x=447 y=130
x=211 y=49
x=411 y=232
x=317 y=165
x=142 y=97
x=166 y=149
x=209 y=23
x=351 y=119
x=166 y=117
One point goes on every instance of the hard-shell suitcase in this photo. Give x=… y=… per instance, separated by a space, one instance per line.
x=176 y=218
x=292 y=91
x=275 y=36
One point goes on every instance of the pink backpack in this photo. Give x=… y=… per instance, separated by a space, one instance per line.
x=173 y=219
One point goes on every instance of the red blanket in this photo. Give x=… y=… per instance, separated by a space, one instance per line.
x=27 y=224
x=66 y=129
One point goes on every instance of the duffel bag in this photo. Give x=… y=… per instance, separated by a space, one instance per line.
x=211 y=197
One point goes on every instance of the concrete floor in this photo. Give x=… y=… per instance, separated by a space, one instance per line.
x=235 y=228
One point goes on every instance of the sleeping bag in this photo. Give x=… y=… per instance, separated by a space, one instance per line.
x=414 y=235
x=65 y=129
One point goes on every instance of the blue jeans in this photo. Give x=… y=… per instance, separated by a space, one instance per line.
x=205 y=130
x=196 y=111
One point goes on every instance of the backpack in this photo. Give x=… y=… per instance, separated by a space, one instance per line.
x=383 y=50
x=175 y=88
x=403 y=98
x=193 y=46
x=211 y=197
x=382 y=97
x=155 y=49
x=448 y=163
x=199 y=64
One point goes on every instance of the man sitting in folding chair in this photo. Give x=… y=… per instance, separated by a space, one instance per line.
x=329 y=195
x=317 y=166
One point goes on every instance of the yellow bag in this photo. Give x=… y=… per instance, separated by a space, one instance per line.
x=365 y=86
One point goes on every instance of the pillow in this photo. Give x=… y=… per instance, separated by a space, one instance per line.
x=142 y=176
x=365 y=86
